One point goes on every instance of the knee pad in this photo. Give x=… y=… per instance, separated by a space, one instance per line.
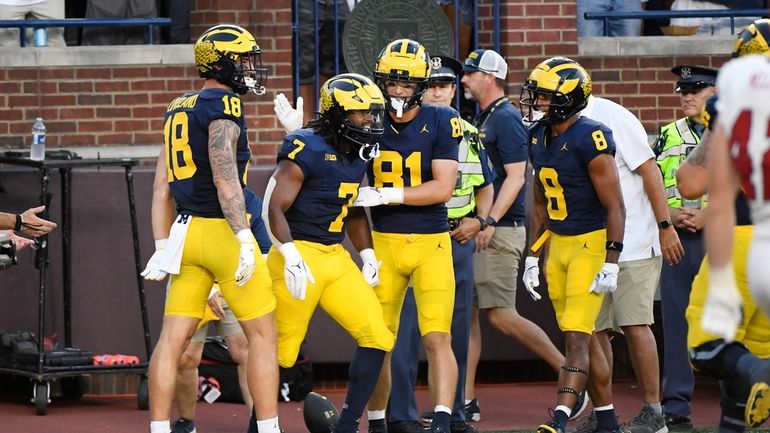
x=709 y=358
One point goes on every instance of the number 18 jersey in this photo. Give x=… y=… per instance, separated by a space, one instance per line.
x=561 y=167
x=186 y=143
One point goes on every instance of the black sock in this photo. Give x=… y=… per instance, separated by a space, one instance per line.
x=606 y=419
x=253 y=422
x=362 y=378
x=561 y=418
x=440 y=420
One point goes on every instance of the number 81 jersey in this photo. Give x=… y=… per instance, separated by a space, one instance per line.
x=406 y=154
x=561 y=167
x=186 y=143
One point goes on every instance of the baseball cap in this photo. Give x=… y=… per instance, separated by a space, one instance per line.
x=486 y=61
x=444 y=68
x=693 y=77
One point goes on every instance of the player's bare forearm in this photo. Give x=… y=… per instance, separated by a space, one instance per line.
x=288 y=181
x=720 y=217
x=604 y=176
x=162 y=213
x=223 y=137
x=537 y=217
x=435 y=191
x=357 y=226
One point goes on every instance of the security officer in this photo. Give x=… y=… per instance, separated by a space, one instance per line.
x=695 y=85
x=467 y=212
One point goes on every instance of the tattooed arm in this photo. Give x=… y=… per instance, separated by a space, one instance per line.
x=223 y=138
x=693 y=174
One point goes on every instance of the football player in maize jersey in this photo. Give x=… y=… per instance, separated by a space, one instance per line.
x=307 y=209
x=577 y=198
x=414 y=176
x=717 y=316
x=204 y=160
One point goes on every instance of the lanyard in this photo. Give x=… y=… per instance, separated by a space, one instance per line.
x=487 y=114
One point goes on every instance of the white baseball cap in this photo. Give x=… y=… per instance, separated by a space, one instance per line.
x=486 y=61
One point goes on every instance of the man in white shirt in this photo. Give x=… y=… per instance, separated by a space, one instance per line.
x=630 y=306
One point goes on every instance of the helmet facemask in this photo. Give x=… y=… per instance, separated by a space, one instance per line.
x=566 y=84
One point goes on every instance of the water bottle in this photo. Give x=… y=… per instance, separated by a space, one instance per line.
x=39 y=39
x=37 y=151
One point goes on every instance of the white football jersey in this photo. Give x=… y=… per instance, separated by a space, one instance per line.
x=744 y=112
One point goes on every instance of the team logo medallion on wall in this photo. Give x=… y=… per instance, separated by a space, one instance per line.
x=374 y=23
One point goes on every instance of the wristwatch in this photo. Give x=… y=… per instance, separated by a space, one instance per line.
x=482 y=221
x=491 y=221
x=664 y=224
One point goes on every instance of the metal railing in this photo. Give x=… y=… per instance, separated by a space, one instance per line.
x=22 y=25
x=706 y=13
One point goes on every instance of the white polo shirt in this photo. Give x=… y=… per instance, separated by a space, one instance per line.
x=640 y=240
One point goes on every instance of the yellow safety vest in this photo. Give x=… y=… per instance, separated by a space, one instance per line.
x=676 y=141
x=469 y=174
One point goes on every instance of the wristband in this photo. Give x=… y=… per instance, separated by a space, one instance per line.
x=245 y=237
x=19 y=223
x=614 y=246
x=483 y=222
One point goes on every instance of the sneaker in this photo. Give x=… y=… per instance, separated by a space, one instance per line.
x=183 y=425
x=550 y=427
x=580 y=405
x=647 y=422
x=426 y=418
x=472 y=411
x=588 y=425
x=409 y=426
x=461 y=427
x=378 y=426
x=678 y=423
x=758 y=405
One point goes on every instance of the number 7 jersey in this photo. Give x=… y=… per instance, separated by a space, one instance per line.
x=406 y=155
x=561 y=167
x=744 y=111
x=186 y=143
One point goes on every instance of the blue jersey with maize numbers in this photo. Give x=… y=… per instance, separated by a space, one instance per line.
x=406 y=154
x=254 y=213
x=561 y=167
x=186 y=143
x=331 y=181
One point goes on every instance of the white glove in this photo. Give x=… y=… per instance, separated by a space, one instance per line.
x=606 y=281
x=371 y=267
x=531 y=277
x=722 y=311
x=246 y=261
x=290 y=118
x=295 y=271
x=153 y=271
x=369 y=196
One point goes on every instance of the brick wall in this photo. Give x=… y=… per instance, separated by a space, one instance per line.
x=105 y=106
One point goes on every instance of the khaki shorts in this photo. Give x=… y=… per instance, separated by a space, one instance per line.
x=496 y=269
x=631 y=304
x=226 y=327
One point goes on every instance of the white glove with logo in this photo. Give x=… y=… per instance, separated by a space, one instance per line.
x=153 y=271
x=722 y=312
x=371 y=267
x=290 y=118
x=246 y=260
x=531 y=277
x=295 y=271
x=606 y=281
x=369 y=196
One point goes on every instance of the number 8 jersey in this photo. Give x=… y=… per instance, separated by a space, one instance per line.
x=186 y=143
x=561 y=167
x=406 y=153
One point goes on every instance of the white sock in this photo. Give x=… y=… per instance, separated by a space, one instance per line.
x=160 y=426
x=441 y=408
x=564 y=409
x=268 y=425
x=467 y=402
x=375 y=414
x=607 y=407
